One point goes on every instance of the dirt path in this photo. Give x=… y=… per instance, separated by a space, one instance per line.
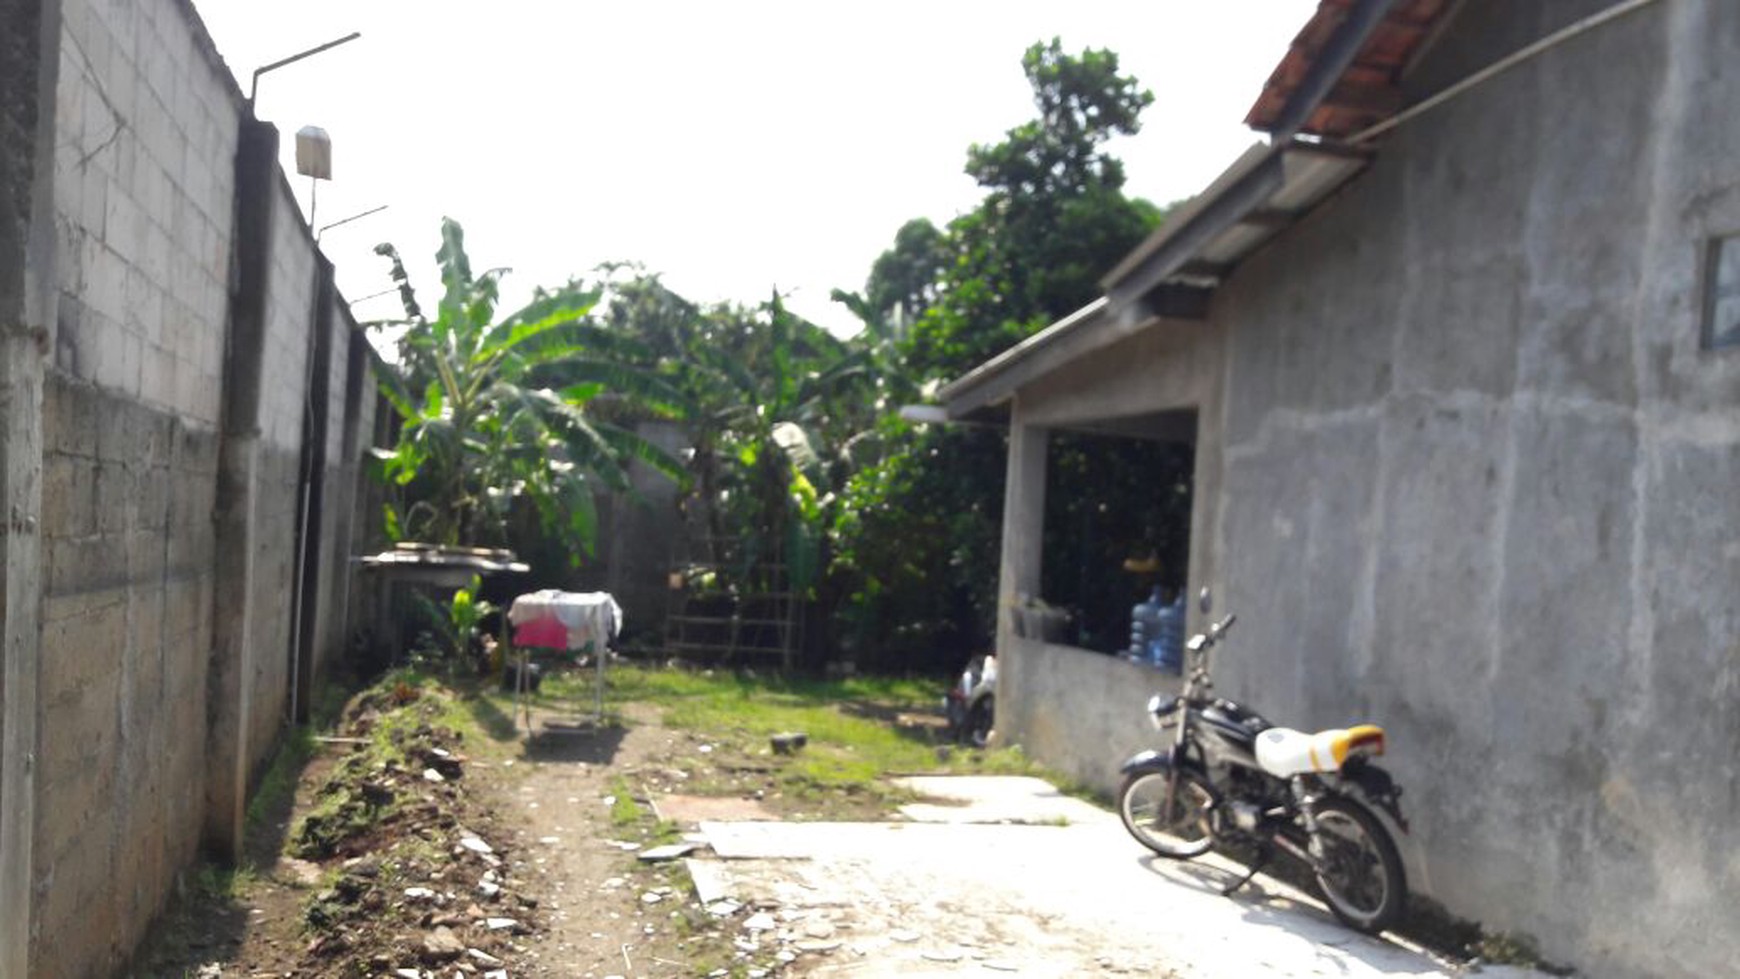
x=985 y=876
x=599 y=921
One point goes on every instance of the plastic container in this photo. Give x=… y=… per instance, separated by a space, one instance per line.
x=1157 y=633
x=1166 y=650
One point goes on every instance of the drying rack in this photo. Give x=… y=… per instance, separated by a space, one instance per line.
x=575 y=622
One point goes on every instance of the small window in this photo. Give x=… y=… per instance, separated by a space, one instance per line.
x=1722 y=293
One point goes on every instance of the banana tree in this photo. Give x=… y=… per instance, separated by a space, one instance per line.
x=767 y=396
x=494 y=412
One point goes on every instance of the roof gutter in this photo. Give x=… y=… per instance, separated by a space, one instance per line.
x=996 y=365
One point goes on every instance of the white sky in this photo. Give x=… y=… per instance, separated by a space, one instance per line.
x=733 y=147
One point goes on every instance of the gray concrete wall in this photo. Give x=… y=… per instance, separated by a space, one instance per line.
x=29 y=34
x=130 y=711
x=1477 y=482
x=1106 y=715
x=144 y=202
x=290 y=296
x=638 y=536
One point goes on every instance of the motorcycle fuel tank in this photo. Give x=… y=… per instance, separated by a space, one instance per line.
x=1229 y=732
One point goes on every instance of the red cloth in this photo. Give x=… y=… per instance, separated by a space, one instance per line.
x=547 y=632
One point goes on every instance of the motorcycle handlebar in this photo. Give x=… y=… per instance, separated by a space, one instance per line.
x=1202 y=641
x=1199 y=646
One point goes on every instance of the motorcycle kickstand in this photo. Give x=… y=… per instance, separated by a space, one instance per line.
x=1257 y=865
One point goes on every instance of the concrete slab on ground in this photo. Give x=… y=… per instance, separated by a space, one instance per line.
x=993 y=799
x=1051 y=886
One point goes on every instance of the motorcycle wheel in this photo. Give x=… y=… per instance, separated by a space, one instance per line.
x=980 y=721
x=1361 y=876
x=1180 y=834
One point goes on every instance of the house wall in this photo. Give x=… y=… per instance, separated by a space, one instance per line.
x=1478 y=482
x=134 y=717
x=1084 y=712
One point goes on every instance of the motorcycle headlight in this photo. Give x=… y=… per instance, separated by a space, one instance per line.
x=1160 y=708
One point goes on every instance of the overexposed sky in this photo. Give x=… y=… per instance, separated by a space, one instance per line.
x=733 y=147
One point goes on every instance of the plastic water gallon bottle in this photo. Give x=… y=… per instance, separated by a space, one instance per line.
x=1167 y=643
x=1145 y=628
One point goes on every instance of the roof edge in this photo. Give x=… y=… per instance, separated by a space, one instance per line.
x=1175 y=223
x=1077 y=320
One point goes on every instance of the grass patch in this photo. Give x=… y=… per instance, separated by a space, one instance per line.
x=276 y=791
x=277 y=786
x=624 y=811
x=861 y=731
x=218 y=884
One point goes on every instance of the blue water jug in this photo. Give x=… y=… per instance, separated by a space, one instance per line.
x=1145 y=628
x=1166 y=646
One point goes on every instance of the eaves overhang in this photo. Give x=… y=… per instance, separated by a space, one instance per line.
x=1342 y=72
x=1174 y=273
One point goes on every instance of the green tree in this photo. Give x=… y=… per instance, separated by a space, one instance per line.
x=916 y=541
x=1054 y=218
x=484 y=428
x=904 y=280
x=776 y=410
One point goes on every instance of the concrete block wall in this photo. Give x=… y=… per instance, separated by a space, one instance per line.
x=347 y=377
x=283 y=394
x=127 y=616
x=145 y=197
x=129 y=714
x=144 y=209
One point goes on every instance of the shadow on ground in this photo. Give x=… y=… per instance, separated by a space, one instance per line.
x=552 y=741
x=489 y=716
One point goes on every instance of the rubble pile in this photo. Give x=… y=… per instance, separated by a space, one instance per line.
x=415 y=881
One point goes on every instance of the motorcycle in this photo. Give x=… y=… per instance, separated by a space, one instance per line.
x=970 y=704
x=1231 y=777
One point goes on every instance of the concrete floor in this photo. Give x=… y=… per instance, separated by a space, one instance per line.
x=1002 y=875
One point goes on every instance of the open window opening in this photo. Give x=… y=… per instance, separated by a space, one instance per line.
x=1117 y=523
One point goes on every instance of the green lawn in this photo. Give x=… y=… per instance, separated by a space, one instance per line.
x=860 y=731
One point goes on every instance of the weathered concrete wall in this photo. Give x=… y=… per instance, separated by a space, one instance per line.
x=1473 y=448
x=126 y=629
x=638 y=537
x=145 y=129
x=1478 y=482
x=1106 y=720
x=144 y=202
x=290 y=296
x=29 y=72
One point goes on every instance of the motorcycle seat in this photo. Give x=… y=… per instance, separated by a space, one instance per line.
x=1284 y=752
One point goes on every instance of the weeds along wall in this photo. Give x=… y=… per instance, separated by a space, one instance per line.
x=187 y=402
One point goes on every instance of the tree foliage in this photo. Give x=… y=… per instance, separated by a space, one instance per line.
x=493 y=412
x=1054 y=218
x=779 y=414
x=917 y=542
